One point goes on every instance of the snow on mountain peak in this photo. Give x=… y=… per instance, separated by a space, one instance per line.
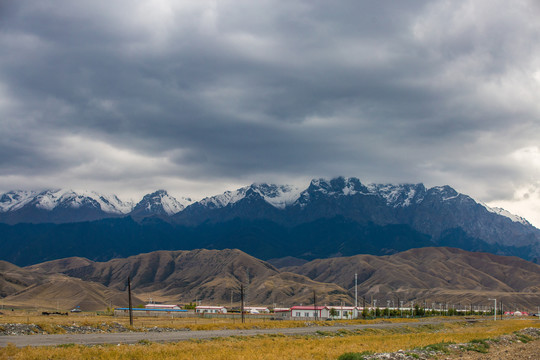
x=401 y=195
x=506 y=213
x=51 y=199
x=278 y=196
x=16 y=199
x=160 y=202
x=172 y=205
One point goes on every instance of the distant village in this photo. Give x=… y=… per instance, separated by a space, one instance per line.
x=310 y=312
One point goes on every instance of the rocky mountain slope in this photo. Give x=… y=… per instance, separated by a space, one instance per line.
x=337 y=217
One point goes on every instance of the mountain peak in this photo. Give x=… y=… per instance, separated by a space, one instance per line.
x=51 y=199
x=160 y=203
x=278 y=196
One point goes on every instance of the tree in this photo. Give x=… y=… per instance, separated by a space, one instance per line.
x=333 y=312
x=365 y=313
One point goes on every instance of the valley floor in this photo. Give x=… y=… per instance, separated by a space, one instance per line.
x=416 y=340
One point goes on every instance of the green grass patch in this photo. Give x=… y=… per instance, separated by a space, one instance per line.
x=438 y=347
x=355 y=355
x=477 y=345
x=523 y=338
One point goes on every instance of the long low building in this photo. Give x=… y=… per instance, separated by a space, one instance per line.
x=325 y=312
x=211 y=309
x=153 y=312
x=162 y=306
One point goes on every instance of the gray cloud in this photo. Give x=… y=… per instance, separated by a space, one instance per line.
x=236 y=91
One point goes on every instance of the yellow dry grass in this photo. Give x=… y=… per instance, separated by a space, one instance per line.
x=140 y=323
x=322 y=346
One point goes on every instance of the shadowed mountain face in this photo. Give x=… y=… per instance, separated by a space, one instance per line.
x=427 y=274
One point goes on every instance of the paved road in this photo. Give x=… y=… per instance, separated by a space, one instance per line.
x=131 y=338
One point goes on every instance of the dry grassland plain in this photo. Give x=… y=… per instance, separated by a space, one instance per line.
x=324 y=345
x=50 y=323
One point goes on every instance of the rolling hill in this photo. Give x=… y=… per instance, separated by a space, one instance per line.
x=209 y=275
x=431 y=275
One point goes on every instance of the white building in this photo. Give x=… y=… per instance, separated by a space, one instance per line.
x=310 y=311
x=325 y=312
x=211 y=309
x=162 y=306
x=256 y=310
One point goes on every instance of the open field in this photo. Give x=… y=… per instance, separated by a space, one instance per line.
x=322 y=345
x=51 y=323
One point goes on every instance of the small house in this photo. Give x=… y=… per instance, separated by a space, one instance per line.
x=211 y=309
x=162 y=306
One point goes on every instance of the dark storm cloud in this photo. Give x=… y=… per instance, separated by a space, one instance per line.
x=388 y=91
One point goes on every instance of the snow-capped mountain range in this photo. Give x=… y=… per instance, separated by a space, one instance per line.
x=60 y=198
x=328 y=218
x=278 y=196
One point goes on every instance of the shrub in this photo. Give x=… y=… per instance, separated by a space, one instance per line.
x=355 y=355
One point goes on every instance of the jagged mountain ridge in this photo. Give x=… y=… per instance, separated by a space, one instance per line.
x=447 y=217
x=59 y=206
x=68 y=206
x=278 y=196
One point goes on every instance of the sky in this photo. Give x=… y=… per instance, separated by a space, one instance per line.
x=199 y=97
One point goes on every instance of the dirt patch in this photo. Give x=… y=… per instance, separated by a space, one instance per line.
x=523 y=344
x=504 y=350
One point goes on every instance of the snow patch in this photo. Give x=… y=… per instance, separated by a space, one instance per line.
x=279 y=196
x=506 y=213
x=14 y=200
x=51 y=199
x=172 y=206
x=402 y=195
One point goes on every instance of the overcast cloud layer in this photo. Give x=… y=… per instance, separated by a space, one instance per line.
x=202 y=96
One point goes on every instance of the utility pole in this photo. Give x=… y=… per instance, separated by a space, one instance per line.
x=315 y=305
x=242 y=302
x=129 y=303
x=356 y=291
